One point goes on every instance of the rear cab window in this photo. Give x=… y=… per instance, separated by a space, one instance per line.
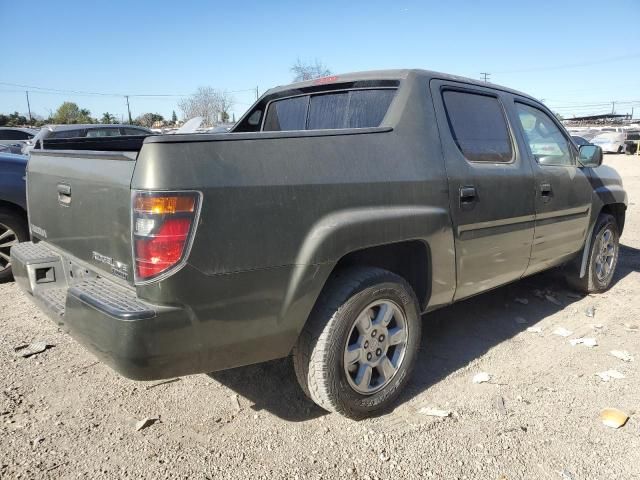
x=332 y=110
x=324 y=105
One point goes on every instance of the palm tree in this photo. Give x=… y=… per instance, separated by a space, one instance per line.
x=108 y=118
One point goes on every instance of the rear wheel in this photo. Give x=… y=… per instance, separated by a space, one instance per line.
x=602 y=259
x=13 y=229
x=360 y=344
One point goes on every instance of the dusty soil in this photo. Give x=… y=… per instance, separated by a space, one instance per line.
x=62 y=414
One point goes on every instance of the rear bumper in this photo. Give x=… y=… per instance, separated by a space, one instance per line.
x=139 y=340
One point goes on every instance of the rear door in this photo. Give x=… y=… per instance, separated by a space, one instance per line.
x=491 y=187
x=563 y=192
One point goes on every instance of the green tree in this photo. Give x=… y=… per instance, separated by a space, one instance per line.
x=69 y=112
x=174 y=117
x=108 y=118
x=13 y=120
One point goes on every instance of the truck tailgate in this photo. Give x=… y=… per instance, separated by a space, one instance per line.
x=80 y=203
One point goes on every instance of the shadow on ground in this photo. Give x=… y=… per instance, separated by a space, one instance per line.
x=452 y=338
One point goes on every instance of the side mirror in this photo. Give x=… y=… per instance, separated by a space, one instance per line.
x=590 y=156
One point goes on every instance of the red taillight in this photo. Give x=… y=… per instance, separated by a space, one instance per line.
x=161 y=232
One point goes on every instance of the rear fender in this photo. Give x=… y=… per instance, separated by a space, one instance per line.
x=347 y=231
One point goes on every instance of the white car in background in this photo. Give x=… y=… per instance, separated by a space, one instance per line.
x=610 y=142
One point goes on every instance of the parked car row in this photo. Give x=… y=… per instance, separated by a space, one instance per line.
x=611 y=140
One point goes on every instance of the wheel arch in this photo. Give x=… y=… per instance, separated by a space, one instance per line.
x=409 y=259
x=618 y=211
x=13 y=207
x=414 y=242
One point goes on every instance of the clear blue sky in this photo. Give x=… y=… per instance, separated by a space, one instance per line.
x=574 y=55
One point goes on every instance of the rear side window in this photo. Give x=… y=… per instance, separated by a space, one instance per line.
x=478 y=126
x=351 y=109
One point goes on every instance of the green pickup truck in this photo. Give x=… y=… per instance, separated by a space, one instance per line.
x=335 y=214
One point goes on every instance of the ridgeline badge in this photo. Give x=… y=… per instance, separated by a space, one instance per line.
x=117 y=268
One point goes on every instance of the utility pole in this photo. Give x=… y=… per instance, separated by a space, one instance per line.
x=128 y=108
x=29 y=107
x=613 y=107
x=257 y=95
x=485 y=76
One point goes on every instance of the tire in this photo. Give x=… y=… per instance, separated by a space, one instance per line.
x=337 y=331
x=13 y=229
x=620 y=149
x=598 y=275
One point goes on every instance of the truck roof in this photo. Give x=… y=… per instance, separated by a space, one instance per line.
x=393 y=74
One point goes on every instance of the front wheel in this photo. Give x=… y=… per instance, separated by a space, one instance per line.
x=360 y=344
x=603 y=257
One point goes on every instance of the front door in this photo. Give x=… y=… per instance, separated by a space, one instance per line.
x=563 y=191
x=491 y=186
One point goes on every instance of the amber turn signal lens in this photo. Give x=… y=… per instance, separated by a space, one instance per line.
x=157 y=205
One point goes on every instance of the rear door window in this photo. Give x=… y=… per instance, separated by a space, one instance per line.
x=478 y=126
x=345 y=109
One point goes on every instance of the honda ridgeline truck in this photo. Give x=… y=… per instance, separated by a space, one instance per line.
x=335 y=214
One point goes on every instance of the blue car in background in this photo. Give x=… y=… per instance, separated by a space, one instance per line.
x=13 y=207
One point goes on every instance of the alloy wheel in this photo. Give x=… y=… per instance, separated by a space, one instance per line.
x=8 y=239
x=375 y=347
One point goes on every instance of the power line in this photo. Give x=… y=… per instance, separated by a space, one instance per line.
x=108 y=94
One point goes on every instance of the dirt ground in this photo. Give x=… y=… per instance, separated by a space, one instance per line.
x=63 y=415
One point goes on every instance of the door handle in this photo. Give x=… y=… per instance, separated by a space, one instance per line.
x=467 y=195
x=546 y=192
x=64 y=194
